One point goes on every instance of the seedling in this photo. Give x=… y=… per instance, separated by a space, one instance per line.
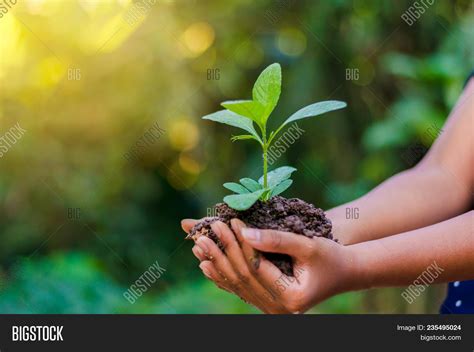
x=246 y=114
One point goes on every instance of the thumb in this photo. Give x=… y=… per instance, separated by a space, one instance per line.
x=278 y=241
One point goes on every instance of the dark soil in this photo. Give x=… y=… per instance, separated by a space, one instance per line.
x=278 y=213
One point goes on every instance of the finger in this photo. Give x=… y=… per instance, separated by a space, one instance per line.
x=236 y=258
x=271 y=277
x=188 y=224
x=232 y=250
x=212 y=274
x=220 y=261
x=278 y=242
x=198 y=253
x=266 y=274
x=251 y=256
x=230 y=277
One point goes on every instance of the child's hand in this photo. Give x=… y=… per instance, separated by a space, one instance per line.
x=322 y=267
x=213 y=261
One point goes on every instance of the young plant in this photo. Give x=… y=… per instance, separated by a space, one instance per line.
x=246 y=114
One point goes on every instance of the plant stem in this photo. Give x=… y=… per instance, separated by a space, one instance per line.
x=265 y=165
x=265 y=159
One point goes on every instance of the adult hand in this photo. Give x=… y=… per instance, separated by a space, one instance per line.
x=322 y=267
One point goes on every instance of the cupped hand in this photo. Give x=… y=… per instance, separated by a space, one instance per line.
x=321 y=267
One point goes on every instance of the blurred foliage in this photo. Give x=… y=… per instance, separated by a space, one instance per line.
x=88 y=79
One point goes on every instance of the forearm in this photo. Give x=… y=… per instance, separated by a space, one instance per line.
x=402 y=203
x=399 y=260
x=437 y=189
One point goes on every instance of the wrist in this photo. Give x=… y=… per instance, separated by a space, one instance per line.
x=343 y=229
x=361 y=275
x=350 y=270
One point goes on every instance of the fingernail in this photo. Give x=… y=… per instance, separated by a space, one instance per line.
x=199 y=251
x=216 y=229
x=205 y=271
x=185 y=221
x=237 y=225
x=201 y=243
x=251 y=235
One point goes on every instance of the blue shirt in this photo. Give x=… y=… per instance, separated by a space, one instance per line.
x=460 y=299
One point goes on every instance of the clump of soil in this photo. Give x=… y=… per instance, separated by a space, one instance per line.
x=278 y=213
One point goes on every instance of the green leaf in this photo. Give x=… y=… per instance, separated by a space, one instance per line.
x=266 y=195
x=235 y=187
x=278 y=175
x=231 y=118
x=315 y=110
x=243 y=201
x=281 y=187
x=250 y=184
x=254 y=110
x=242 y=137
x=267 y=89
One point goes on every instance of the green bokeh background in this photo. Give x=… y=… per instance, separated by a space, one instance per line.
x=87 y=80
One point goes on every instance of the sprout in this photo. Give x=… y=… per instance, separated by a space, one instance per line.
x=246 y=114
